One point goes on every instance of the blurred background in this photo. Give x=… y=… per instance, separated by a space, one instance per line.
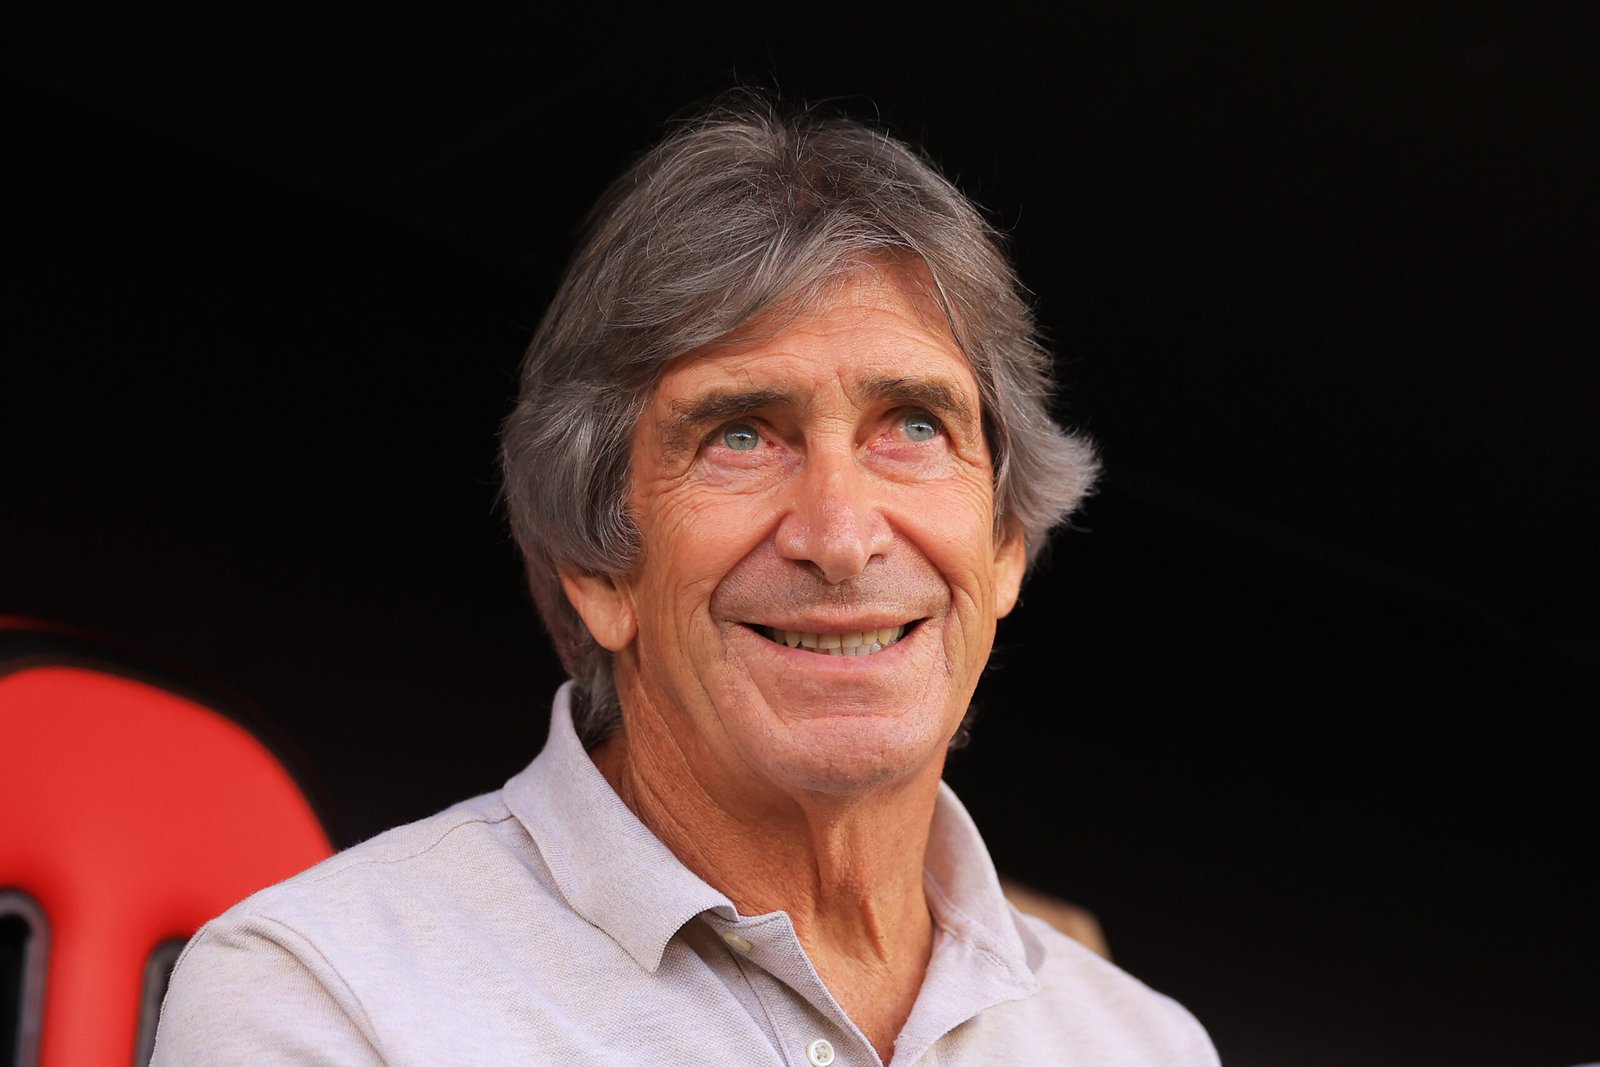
x=1301 y=711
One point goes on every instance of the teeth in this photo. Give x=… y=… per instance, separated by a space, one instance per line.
x=858 y=643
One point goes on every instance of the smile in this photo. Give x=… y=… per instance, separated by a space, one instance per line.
x=854 y=643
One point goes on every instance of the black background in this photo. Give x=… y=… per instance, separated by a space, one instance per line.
x=1301 y=713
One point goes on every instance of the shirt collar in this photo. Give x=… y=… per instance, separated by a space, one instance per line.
x=964 y=892
x=612 y=870
x=619 y=876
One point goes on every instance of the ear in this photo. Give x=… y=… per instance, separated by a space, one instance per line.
x=1010 y=561
x=605 y=607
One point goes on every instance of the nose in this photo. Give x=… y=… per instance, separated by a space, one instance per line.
x=835 y=523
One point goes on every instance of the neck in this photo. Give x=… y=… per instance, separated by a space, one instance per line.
x=847 y=870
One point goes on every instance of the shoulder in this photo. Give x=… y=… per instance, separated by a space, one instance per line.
x=299 y=961
x=482 y=824
x=1121 y=1018
x=396 y=869
x=444 y=869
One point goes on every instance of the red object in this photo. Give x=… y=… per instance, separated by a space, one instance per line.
x=131 y=816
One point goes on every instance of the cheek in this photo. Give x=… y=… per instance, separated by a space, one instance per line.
x=691 y=543
x=954 y=528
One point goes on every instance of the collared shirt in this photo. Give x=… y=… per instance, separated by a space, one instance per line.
x=545 y=923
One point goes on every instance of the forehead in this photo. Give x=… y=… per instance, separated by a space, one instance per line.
x=875 y=327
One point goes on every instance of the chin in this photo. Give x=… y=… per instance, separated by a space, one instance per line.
x=847 y=755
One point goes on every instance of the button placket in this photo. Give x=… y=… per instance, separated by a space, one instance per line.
x=775 y=969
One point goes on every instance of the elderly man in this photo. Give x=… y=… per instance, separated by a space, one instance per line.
x=780 y=459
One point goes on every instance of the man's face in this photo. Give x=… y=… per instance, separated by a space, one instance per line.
x=827 y=485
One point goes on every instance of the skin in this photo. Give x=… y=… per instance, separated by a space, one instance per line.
x=826 y=474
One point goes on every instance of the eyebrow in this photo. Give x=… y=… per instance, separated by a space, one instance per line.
x=692 y=419
x=936 y=395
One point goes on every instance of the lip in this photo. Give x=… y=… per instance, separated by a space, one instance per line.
x=803 y=659
x=837 y=625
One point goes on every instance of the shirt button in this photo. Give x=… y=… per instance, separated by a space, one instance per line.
x=736 y=942
x=820 y=1053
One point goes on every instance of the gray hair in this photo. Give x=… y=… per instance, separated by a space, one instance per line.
x=736 y=213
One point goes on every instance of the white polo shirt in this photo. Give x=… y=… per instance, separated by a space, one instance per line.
x=545 y=923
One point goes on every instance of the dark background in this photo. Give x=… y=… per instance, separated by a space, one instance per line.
x=1301 y=713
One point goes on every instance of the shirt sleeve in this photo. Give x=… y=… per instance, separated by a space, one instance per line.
x=252 y=991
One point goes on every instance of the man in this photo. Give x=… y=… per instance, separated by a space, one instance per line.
x=780 y=458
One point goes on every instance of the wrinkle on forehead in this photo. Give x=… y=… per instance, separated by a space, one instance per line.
x=901 y=280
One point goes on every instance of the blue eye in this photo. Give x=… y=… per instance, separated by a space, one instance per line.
x=741 y=437
x=919 y=426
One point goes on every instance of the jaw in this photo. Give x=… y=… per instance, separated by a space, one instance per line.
x=839 y=724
